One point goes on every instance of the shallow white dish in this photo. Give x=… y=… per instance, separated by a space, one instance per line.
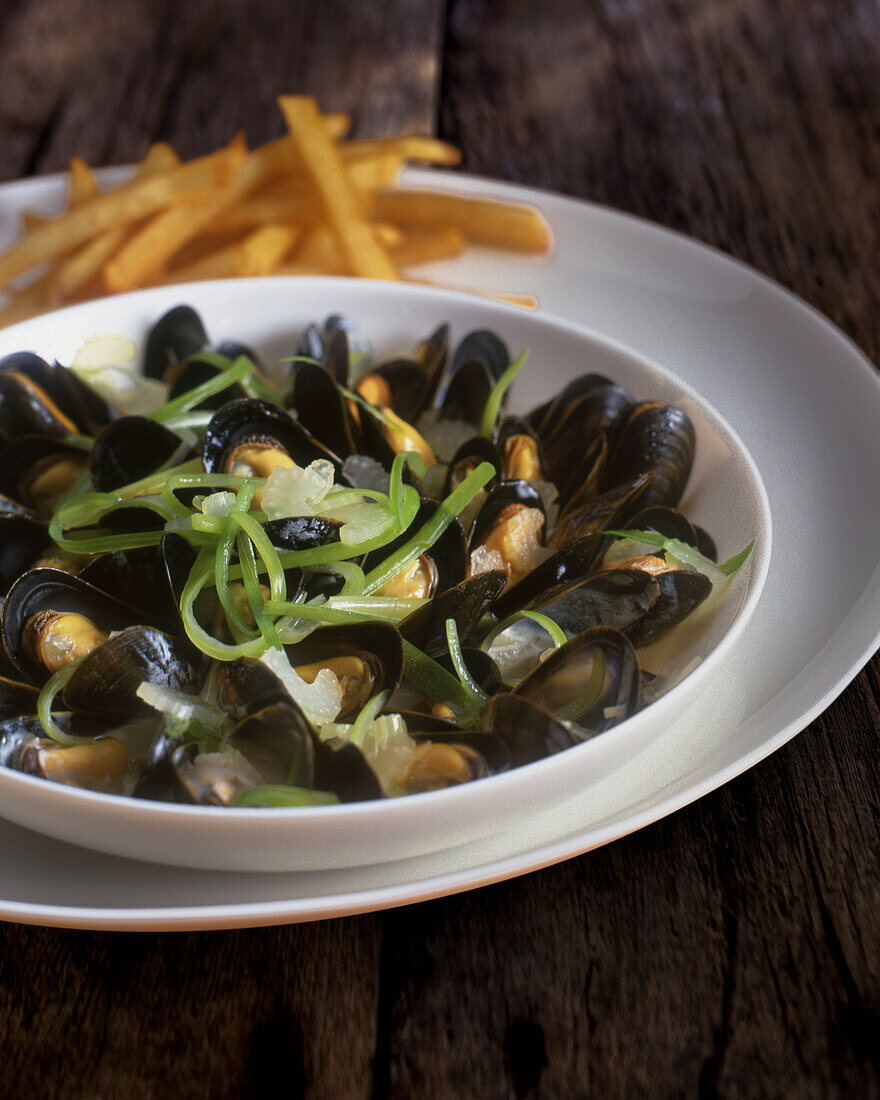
x=725 y=495
x=778 y=369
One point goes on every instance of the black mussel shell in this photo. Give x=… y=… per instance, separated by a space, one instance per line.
x=585 y=477
x=593 y=680
x=137 y=578
x=38 y=470
x=26 y=409
x=302 y=532
x=705 y=543
x=129 y=449
x=90 y=411
x=664 y=521
x=247 y=685
x=578 y=386
x=321 y=409
x=177 y=334
x=106 y=681
x=483 y=346
x=568 y=565
x=610 y=510
x=527 y=730
x=341 y=767
x=570 y=426
x=680 y=593
x=178 y=558
x=433 y=353
x=22 y=540
x=448 y=554
x=335 y=356
x=16 y=696
x=311 y=345
x=655 y=439
x=466 y=603
x=47 y=589
x=463 y=395
x=251 y=418
x=377 y=648
x=620 y=598
x=481 y=667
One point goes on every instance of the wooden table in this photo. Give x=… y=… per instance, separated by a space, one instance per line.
x=731 y=949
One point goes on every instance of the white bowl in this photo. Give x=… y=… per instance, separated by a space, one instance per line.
x=725 y=495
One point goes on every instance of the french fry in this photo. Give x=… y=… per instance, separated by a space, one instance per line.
x=406 y=147
x=82 y=184
x=259 y=253
x=320 y=251
x=427 y=244
x=127 y=203
x=323 y=166
x=502 y=225
x=84 y=265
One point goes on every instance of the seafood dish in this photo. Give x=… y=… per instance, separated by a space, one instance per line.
x=233 y=582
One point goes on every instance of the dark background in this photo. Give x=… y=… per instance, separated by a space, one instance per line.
x=730 y=950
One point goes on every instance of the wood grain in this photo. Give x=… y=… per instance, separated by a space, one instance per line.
x=731 y=950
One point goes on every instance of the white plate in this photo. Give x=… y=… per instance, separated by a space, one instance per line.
x=724 y=495
x=806 y=403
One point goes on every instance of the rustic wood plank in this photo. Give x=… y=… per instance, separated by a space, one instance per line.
x=211 y=1015
x=218 y=1014
x=196 y=73
x=732 y=950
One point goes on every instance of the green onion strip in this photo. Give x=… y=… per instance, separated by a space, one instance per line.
x=56 y=683
x=439 y=685
x=240 y=628
x=493 y=405
x=240 y=369
x=461 y=669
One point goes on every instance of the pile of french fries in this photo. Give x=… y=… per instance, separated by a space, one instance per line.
x=309 y=203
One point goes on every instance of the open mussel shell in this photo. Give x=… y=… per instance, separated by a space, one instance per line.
x=655 y=439
x=466 y=603
x=592 y=681
x=38 y=470
x=367 y=658
x=138 y=579
x=33 y=398
x=129 y=449
x=433 y=353
x=483 y=670
x=449 y=759
x=341 y=767
x=53 y=590
x=528 y=731
x=177 y=334
x=679 y=593
x=403 y=385
x=571 y=563
x=501 y=502
x=321 y=409
x=251 y=423
x=442 y=566
x=612 y=509
x=107 y=680
x=23 y=539
x=464 y=393
x=619 y=598
x=246 y=685
x=468 y=457
x=520 y=451
x=16 y=696
x=581 y=418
